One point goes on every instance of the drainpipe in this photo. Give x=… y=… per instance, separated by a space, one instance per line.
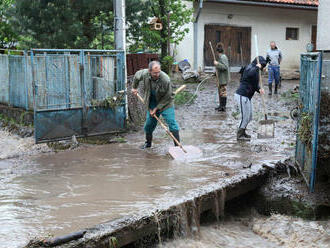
x=196 y=34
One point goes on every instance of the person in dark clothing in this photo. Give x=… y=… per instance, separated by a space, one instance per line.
x=249 y=84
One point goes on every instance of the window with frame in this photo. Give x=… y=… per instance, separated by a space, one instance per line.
x=292 y=33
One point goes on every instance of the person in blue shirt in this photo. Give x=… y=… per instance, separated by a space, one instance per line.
x=274 y=58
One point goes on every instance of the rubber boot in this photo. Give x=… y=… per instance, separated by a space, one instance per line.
x=176 y=135
x=219 y=107
x=275 y=92
x=240 y=134
x=223 y=103
x=148 y=142
x=270 y=87
x=246 y=135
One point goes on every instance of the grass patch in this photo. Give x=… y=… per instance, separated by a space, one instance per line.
x=290 y=96
x=9 y=121
x=184 y=97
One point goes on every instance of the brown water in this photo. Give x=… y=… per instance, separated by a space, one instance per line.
x=259 y=232
x=54 y=194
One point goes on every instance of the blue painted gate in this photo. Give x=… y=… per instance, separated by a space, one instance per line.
x=308 y=123
x=77 y=92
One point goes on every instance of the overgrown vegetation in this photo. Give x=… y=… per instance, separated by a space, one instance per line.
x=9 y=121
x=305 y=129
x=290 y=95
x=109 y=102
x=167 y=63
x=16 y=126
x=184 y=97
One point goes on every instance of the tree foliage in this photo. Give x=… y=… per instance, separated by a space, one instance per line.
x=139 y=33
x=61 y=23
x=8 y=36
x=90 y=23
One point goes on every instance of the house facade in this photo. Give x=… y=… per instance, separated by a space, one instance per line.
x=323 y=37
x=292 y=24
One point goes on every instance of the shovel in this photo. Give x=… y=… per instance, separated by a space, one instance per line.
x=178 y=152
x=266 y=127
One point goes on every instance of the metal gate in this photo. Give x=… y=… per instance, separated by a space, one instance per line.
x=77 y=92
x=308 y=123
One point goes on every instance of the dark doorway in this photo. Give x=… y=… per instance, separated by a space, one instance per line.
x=236 y=40
x=314 y=35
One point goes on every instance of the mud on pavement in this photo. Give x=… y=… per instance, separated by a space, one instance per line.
x=49 y=195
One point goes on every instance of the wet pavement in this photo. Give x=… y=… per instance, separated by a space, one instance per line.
x=58 y=193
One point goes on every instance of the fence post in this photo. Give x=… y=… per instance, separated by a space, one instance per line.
x=34 y=92
x=26 y=88
x=84 y=128
x=67 y=80
x=120 y=82
x=46 y=81
x=315 y=137
x=9 y=80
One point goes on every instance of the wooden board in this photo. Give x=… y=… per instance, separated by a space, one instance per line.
x=235 y=40
x=192 y=152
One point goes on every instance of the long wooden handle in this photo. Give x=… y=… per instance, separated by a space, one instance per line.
x=216 y=71
x=260 y=77
x=180 y=89
x=164 y=126
x=170 y=134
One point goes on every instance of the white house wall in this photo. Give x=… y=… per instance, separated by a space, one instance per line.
x=323 y=35
x=185 y=50
x=268 y=23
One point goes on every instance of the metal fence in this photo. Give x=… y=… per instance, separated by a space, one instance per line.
x=313 y=124
x=58 y=80
x=16 y=80
x=72 y=92
x=77 y=92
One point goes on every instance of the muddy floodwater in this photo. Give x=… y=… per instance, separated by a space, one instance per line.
x=259 y=232
x=57 y=193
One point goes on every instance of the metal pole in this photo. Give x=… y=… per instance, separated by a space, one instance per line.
x=120 y=44
x=120 y=18
x=317 y=94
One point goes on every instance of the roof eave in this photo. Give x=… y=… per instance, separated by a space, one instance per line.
x=267 y=4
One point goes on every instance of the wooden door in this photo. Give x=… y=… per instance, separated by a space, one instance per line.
x=236 y=40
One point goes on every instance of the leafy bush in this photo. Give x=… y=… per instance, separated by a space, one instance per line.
x=167 y=63
x=184 y=97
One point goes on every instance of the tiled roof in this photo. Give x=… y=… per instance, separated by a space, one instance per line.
x=296 y=2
